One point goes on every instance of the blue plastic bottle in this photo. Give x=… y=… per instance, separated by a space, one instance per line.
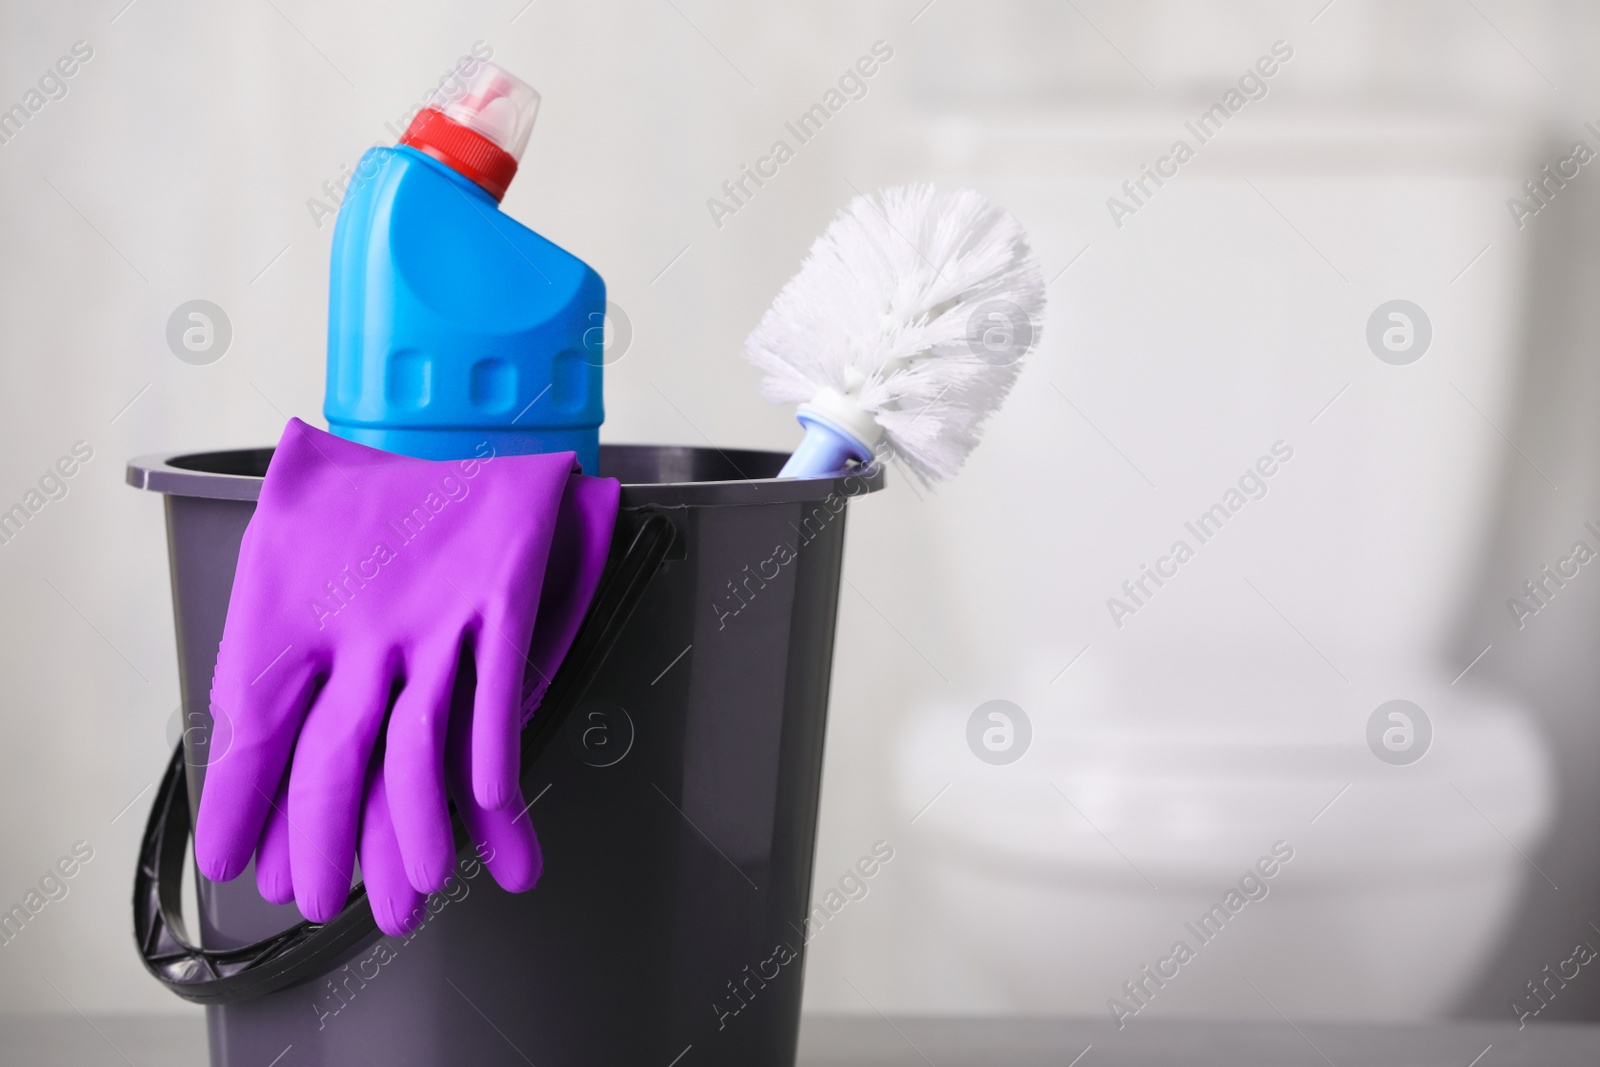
x=450 y=324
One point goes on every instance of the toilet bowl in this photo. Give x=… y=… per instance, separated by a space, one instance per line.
x=1055 y=879
x=1174 y=745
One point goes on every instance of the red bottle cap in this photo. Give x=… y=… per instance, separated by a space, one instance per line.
x=468 y=153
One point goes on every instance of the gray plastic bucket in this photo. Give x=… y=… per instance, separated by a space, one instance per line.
x=678 y=817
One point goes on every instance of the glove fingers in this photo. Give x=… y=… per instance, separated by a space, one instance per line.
x=253 y=734
x=274 y=880
x=505 y=838
x=327 y=783
x=396 y=905
x=414 y=768
x=500 y=660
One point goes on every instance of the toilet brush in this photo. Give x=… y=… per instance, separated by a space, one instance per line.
x=903 y=330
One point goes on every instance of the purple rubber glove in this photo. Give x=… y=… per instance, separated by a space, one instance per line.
x=505 y=837
x=364 y=579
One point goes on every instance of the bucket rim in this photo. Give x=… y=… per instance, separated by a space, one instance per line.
x=185 y=474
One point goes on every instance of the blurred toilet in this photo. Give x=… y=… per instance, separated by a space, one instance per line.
x=1230 y=712
x=1055 y=879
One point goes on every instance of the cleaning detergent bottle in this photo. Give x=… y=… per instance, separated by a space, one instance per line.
x=452 y=327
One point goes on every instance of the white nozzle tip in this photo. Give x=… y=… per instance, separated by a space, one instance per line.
x=496 y=104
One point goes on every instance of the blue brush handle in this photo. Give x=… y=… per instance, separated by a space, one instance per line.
x=825 y=448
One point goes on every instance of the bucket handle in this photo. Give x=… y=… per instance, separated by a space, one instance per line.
x=308 y=950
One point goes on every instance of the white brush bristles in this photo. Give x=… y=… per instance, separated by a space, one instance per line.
x=916 y=305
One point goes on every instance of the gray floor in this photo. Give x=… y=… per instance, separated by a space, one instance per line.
x=49 y=1041
x=52 y=1040
x=917 y=1042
